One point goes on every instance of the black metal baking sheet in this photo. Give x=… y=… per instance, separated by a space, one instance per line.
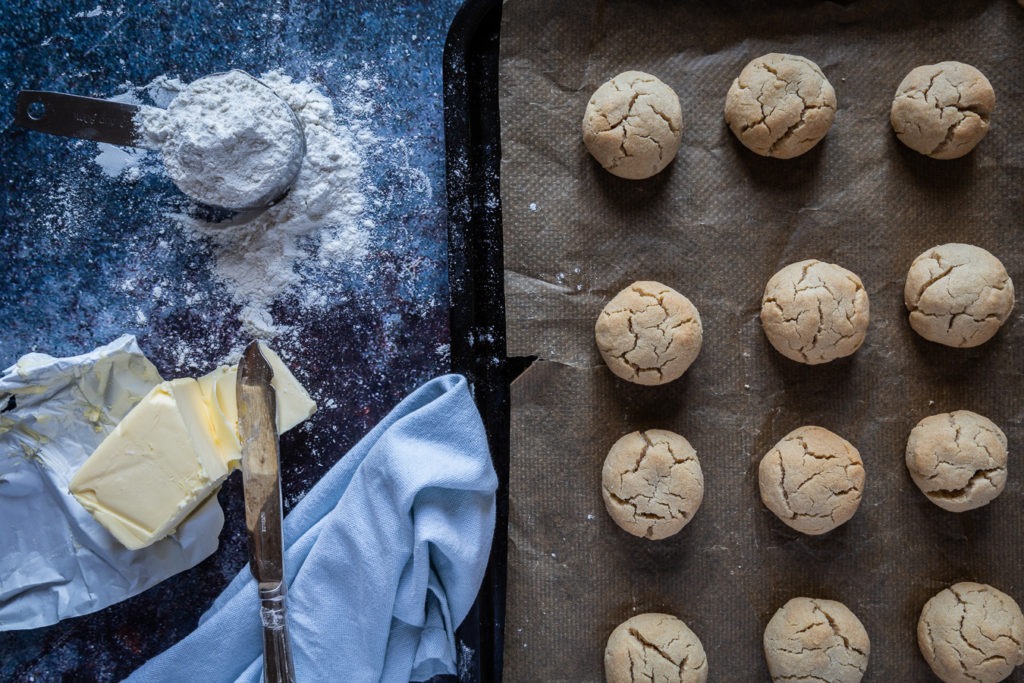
x=716 y=225
x=477 y=322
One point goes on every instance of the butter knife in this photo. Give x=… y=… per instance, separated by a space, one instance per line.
x=261 y=481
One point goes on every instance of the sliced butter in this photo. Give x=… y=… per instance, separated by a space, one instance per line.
x=294 y=405
x=154 y=468
x=173 y=450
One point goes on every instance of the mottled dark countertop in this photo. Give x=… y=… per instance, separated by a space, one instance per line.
x=87 y=257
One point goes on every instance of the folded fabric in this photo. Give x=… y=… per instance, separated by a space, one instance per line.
x=384 y=558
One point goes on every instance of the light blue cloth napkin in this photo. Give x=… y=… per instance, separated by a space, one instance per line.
x=384 y=557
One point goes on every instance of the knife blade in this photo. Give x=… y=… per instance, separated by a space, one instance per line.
x=261 y=483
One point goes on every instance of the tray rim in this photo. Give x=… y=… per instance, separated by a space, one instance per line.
x=472 y=131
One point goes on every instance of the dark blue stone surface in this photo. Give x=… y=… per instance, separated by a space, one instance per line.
x=82 y=252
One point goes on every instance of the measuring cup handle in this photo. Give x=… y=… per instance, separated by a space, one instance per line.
x=88 y=118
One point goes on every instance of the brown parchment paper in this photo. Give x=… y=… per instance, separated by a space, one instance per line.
x=715 y=226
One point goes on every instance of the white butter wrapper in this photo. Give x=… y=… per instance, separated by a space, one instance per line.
x=56 y=561
x=172 y=450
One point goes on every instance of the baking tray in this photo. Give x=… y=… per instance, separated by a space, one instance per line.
x=476 y=285
x=479 y=341
x=716 y=225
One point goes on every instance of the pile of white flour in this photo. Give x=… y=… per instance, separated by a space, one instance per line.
x=227 y=140
x=257 y=252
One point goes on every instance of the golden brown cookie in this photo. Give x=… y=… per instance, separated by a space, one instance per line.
x=652 y=483
x=816 y=640
x=971 y=633
x=958 y=295
x=633 y=125
x=654 y=647
x=958 y=459
x=812 y=480
x=780 y=105
x=814 y=312
x=649 y=333
x=942 y=110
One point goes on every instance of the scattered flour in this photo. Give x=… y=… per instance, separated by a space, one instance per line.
x=94 y=12
x=257 y=253
x=116 y=160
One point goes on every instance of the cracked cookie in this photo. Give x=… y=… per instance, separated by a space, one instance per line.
x=780 y=105
x=652 y=483
x=942 y=110
x=971 y=633
x=816 y=640
x=812 y=480
x=958 y=460
x=633 y=125
x=814 y=312
x=649 y=333
x=958 y=295
x=654 y=647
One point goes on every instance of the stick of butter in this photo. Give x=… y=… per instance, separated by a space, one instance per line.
x=174 y=449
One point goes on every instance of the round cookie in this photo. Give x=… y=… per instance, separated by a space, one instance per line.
x=958 y=295
x=649 y=333
x=814 y=312
x=652 y=483
x=812 y=480
x=816 y=640
x=633 y=125
x=654 y=647
x=780 y=105
x=942 y=110
x=958 y=460
x=971 y=633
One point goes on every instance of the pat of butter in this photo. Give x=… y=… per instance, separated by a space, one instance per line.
x=172 y=450
x=293 y=404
